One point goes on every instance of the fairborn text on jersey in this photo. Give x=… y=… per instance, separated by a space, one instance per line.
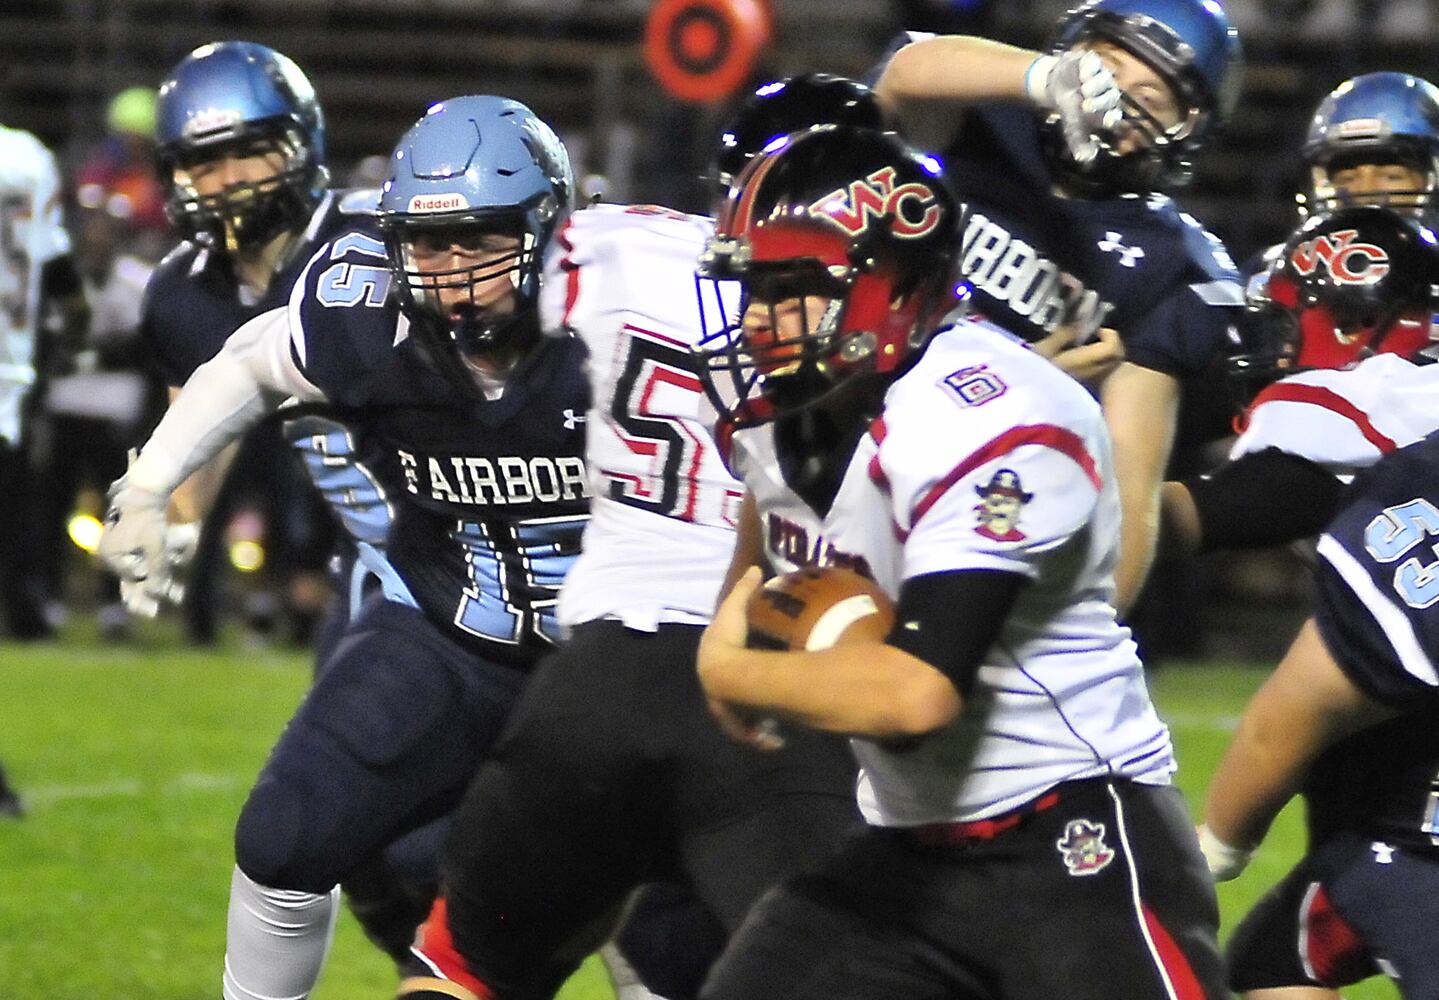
x=509 y=479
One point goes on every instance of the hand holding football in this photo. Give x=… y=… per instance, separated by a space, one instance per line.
x=816 y=608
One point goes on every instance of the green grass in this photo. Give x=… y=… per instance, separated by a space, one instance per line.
x=136 y=759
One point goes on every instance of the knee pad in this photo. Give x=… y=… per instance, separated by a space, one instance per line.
x=272 y=842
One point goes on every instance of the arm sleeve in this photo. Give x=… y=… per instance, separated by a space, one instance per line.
x=1186 y=333
x=1266 y=497
x=225 y=397
x=928 y=628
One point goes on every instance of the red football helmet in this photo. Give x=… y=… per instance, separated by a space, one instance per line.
x=850 y=232
x=1358 y=282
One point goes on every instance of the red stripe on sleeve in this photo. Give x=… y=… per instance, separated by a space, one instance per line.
x=1296 y=392
x=1045 y=435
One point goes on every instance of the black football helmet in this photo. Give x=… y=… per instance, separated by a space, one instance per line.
x=1349 y=285
x=853 y=217
x=790 y=105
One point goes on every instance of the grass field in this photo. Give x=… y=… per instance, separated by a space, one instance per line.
x=135 y=760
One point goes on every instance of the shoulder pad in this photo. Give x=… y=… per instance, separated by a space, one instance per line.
x=360 y=201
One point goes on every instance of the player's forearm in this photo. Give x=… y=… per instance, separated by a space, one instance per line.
x=1306 y=705
x=862 y=689
x=1260 y=772
x=961 y=69
x=1181 y=531
x=250 y=376
x=221 y=401
x=1141 y=408
x=749 y=545
x=193 y=499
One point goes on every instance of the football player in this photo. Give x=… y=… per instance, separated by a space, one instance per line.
x=37 y=276
x=241 y=156
x=1347 y=319
x=1068 y=218
x=241 y=151
x=1348 y=719
x=36 y=272
x=1354 y=340
x=1011 y=762
x=610 y=771
x=476 y=420
x=1375 y=141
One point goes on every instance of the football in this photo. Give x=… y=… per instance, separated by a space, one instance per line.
x=816 y=608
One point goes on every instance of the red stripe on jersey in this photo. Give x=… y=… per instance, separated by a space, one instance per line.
x=1171 y=956
x=436 y=946
x=572 y=272
x=1046 y=435
x=1295 y=392
x=1331 y=947
x=878 y=430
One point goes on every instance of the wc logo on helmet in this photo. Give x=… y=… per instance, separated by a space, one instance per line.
x=915 y=209
x=437 y=202
x=1347 y=262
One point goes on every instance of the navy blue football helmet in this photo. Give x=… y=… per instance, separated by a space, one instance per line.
x=471 y=170
x=240 y=99
x=1377 y=118
x=1193 y=46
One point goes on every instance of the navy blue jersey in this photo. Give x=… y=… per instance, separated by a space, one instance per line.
x=490 y=496
x=1378 y=611
x=194 y=302
x=1038 y=260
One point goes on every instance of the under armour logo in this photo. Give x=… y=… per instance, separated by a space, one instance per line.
x=573 y=419
x=1114 y=243
x=1383 y=853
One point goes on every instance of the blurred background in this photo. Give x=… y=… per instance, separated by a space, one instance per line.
x=639 y=119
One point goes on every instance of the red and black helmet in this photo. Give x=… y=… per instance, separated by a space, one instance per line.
x=853 y=217
x=1348 y=285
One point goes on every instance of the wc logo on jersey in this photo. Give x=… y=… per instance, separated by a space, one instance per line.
x=915 y=208
x=1347 y=262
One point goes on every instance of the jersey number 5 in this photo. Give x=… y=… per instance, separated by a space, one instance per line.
x=674 y=445
x=1396 y=530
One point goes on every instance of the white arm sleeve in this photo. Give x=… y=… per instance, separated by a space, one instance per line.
x=224 y=398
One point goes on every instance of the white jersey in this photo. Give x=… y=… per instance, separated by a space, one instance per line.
x=987 y=457
x=1345 y=420
x=32 y=233
x=661 y=531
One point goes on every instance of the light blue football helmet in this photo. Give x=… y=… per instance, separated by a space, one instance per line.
x=473 y=169
x=240 y=99
x=1193 y=46
x=1378 y=118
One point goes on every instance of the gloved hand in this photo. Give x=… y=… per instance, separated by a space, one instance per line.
x=134 y=545
x=181 y=541
x=1077 y=86
x=1225 y=862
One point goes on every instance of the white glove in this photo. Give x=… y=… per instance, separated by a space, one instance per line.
x=1225 y=862
x=1077 y=86
x=181 y=541
x=133 y=546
